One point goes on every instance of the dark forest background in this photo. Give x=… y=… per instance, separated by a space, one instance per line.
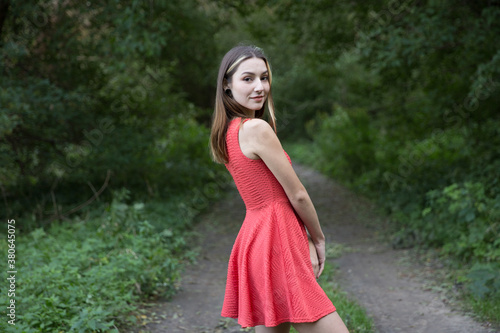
x=105 y=108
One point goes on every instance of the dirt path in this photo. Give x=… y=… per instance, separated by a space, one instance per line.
x=372 y=272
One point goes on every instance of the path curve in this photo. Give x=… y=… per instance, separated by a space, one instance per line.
x=371 y=273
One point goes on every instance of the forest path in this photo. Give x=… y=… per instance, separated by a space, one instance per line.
x=371 y=272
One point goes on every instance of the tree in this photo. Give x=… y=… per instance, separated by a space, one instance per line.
x=91 y=87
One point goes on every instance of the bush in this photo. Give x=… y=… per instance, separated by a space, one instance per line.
x=345 y=142
x=463 y=220
x=485 y=280
x=90 y=275
x=441 y=190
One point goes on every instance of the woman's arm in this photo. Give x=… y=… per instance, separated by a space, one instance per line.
x=258 y=140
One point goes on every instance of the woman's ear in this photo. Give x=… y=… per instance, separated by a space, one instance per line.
x=226 y=85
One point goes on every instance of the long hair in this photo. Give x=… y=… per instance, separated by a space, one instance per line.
x=226 y=108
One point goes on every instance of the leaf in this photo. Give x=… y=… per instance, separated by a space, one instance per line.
x=426 y=211
x=484 y=279
x=92 y=324
x=470 y=216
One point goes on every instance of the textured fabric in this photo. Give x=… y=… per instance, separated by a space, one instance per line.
x=270 y=279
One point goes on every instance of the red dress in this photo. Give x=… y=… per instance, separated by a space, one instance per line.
x=270 y=279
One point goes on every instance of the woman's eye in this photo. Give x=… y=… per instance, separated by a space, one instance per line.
x=265 y=78
x=247 y=79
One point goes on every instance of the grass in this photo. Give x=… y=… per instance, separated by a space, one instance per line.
x=353 y=315
x=91 y=275
x=487 y=309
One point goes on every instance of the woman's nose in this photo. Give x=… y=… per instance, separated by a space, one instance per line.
x=259 y=86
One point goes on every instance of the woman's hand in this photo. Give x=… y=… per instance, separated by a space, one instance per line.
x=317 y=253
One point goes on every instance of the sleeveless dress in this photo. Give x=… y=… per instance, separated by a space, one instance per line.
x=270 y=279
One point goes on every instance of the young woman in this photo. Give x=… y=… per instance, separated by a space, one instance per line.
x=272 y=271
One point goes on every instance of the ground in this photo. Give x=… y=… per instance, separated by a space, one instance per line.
x=385 y=281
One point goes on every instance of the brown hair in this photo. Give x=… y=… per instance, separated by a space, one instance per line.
x=226 y=108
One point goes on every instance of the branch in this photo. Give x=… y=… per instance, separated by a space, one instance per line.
x=96 y=195
x=54 y=202
x=85 y=204
x=88 y=202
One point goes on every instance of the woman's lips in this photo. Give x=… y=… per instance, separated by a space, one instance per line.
x=257 y=98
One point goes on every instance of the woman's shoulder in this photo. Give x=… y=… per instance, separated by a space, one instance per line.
x=256 y=125
x=257 y=131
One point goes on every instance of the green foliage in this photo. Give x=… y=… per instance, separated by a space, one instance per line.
x=400 y=99
x=347 y=138
x=103 y=89
x=89 y=275
x=485 y=280
x=487 y=307
x=484 y=290
x=414 y=123
x=465 y=223
x=469 y=222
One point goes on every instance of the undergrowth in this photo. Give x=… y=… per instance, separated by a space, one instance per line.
x=457 y=220
x=89 y=275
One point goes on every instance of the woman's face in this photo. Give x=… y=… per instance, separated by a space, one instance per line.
x=250 y=84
